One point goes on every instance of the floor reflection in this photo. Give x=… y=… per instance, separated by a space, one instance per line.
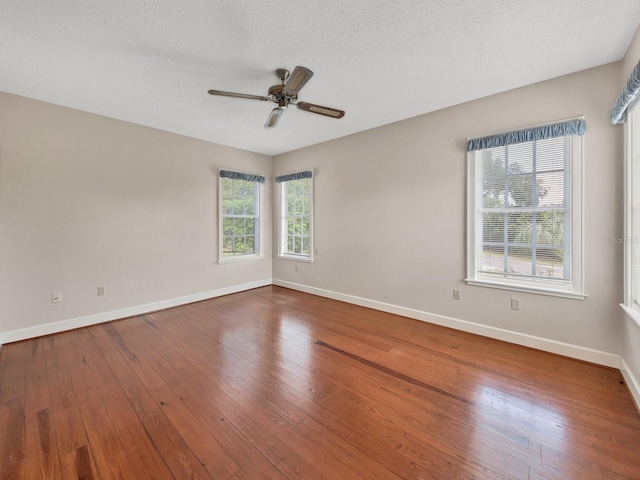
x=519 y=419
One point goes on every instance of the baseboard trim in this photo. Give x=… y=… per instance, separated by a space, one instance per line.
x=64 y=325
x=539 y=343
x=632 y=382
x=552 y=346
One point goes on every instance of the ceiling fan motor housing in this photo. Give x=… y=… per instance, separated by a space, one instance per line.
x=277 y=95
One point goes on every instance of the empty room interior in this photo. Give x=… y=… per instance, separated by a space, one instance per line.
x=323 y=240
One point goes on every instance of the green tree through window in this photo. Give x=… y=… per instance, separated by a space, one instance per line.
x=523 y=209
x=295 y=223
x=297 y=199
x=240 y=217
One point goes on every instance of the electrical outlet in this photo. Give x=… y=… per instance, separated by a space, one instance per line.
x=456 y=294
x=56 y=298
x=101 y=291
x=515 y=304
x=297 y=268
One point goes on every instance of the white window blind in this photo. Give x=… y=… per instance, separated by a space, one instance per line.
x=296 y=209
x=240 y=214
x=524 y=214
x=525 y=210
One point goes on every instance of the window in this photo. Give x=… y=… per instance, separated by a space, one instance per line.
x=632 y=250
x=239 y=215
x=296 y=207
x=525 y=210
x=626 y=110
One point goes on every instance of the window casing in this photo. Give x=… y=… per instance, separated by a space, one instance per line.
x=632 y=208
x=295 y=199
x=240 y=203
x=525 y=216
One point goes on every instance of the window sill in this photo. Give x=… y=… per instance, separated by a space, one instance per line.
x=296 y=258
x=239 y=258
x=528 y=289
x=631 y=313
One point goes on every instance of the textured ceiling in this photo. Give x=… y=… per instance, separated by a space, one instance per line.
x=152 y=62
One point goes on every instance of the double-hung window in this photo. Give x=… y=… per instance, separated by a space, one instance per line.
x=525 y=210
x=240 y=195
x=632 y=250
x=627 y=110
x=295 y=200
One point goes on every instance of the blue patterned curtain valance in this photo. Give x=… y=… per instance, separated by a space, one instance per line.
x=294 y=176
x=629 y=93
x=241 y=176
x=572 y=127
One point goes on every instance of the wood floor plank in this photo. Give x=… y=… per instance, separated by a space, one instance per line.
x=553 y=418
x=142 y=457
x=273 y=414
x=66 y=420
x=12 y=405
x=204 y=445
x=359 y=402
x=104 y=444
x=180 y=459
x=490 y=354
x=189 y=385
x=42 y=461
x=276 y=384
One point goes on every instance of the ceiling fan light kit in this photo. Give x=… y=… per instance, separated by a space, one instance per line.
x=286 y=94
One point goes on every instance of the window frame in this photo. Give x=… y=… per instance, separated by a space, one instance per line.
x=258 y=215
x=282 y=220
x=575 y=287
x=629 y=284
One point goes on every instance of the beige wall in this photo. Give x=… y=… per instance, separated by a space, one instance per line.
x=88 y=201
x=390 y=213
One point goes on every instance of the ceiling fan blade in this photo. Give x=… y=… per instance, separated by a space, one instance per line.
x=329 y=112
x=237 y=95
x=273 y=118
x=297 y=79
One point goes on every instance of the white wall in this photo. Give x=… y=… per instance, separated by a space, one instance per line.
x=390 y=218
x=88 y=201
x=631 y=335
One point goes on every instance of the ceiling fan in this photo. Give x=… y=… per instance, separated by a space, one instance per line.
x=286 y=94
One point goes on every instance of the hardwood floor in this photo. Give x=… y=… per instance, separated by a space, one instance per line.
x=277 y=384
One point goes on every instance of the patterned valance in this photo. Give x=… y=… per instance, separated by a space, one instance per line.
x=629 y=93
x=241 y=176
x=294 y=176
x=572 y=127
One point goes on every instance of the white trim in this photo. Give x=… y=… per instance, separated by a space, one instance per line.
x=257 y=236
x=282 y=224
x=628 y=216
x=574 y=351
x=632 y=313
x=576 y=288
x=239 y=258
x=61 y=326
x=296 y=258
x=632 y=382
x=527 y=289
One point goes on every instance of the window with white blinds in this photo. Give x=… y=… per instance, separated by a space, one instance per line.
x=633 y=135
x=239 y=215
x=296 y=215
x=525 y=215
